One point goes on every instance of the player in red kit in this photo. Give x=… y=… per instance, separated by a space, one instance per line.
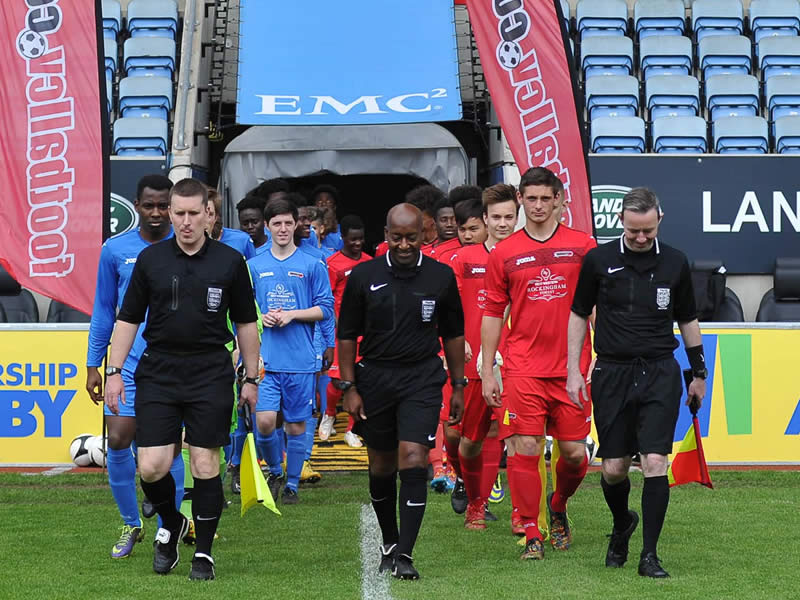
x=339 y=266
x=446 y=242
x=536 y=271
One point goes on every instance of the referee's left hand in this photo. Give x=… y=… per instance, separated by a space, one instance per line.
x=456 y=406
x=696 y=393
x=249 y=394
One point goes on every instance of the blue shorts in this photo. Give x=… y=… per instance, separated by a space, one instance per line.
x=129 y=408
x=290 y=393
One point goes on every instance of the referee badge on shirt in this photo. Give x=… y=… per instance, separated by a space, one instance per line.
x=214 y=298
x=428 y=307
x=662 y=298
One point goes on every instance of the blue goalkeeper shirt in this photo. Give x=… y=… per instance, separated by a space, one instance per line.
x=297 y=282
x=238 y=240
x=117 y=259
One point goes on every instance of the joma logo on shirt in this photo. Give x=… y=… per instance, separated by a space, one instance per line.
x=525 y=259
x=476 y=270
x=265 y=274
x=130 y=261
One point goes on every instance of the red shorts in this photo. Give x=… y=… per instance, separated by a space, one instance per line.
x=477 y=414
x=333 y=370
x=447 y=390
x=534 y=405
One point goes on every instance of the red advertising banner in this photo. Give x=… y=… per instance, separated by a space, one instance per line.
x=53 y=147
x=530 y=81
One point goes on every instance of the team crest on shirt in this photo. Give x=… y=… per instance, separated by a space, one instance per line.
x=428 y=306
x=214 y=298
x=662 y=298
x=547 y=286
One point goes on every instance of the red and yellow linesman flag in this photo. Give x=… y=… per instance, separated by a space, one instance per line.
x=254 y=487
x=689 y=463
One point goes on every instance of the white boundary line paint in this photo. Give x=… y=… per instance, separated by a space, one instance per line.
x=54 y=471
x=374 y=586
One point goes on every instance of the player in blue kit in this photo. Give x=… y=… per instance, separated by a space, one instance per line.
x=117 y=260
x=235 y=238
x=293 y=292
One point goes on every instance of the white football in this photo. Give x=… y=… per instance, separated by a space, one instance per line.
x=96 y=451
x=591 y=448
x=78 y=451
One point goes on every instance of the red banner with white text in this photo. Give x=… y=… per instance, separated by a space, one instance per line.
x=53 y=147
x=529 y=75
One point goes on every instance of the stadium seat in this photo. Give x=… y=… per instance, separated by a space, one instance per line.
x=140 y=137
x=145 y=97
x=782 y=94
x=740 y=135
x=565 y=13
x=149 y=57
x=659 y=17
x=779 y=55
x=601 y=18
x=717 y=17
x=730 y=311
x=612 y=96
x=672 y=96
x=153 y=18
x=618 y=135
x=725 y=55
x=708 y=280
x=58 y=312
x=665 y=55
x=110 y=58
x=787 y=135
x=18 y=304
x=607 y=56
x=686 y=135
x=774 y=17
x=112 y=19
x=732 y=96
x=782 y=302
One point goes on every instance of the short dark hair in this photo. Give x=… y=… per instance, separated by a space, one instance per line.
x=271 y=186
x=640 y=200
x=297 y=199
x=540 y=176
x=464 y=192
x=189 y=187
x=249 y=201
x=467 y=209
x=441 y=205
x=498 y=193
x=279 y=206
x=350 y=222
x=425 y=197
x=158 y=183
x=325 y=189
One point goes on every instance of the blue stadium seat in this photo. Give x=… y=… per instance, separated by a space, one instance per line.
x=149 y=57
x=109 y=99
x=565 y=13
x=665 y=55
x=153 y=18
x=717 y=17
x=740 y=135
x=110 y=57
x=774 y=17
x=732 y=96
x=601 y=18
x=140 y=137
x=618 y=135
x=725 y=54
x=607 y=56
x=686 y=135
x=659 y=17
x=779 y=55
x=612 y=96
x=782 y=94
x=672 y=96
x=787 y=135
x=149 y=97
x=112 y=19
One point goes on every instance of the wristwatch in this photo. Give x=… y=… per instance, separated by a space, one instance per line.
x=345 y=385
x=253 y=380
x=700 y=374
x=462 y=382
x=113 y=371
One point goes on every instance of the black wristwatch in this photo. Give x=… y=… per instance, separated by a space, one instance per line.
x=113 y=371
x=701 y=374
x=345 y=385
x=462 y=382
x=253 y=380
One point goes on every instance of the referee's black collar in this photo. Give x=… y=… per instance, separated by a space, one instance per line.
x=622 y=245
x=179 y=251
x=402 y=272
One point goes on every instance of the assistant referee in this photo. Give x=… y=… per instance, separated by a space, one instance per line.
x=639 y=287
x=402 y=303
x=185 y=287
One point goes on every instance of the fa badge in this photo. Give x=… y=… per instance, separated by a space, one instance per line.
x=662 y=298
x=214 y=298
x=428 y=306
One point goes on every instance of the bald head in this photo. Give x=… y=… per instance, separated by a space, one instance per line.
x=404 y=215
x=404 y=234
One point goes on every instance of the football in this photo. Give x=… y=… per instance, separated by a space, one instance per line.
x=78 y=451
x=548 y=447
x=31 y=44
x=509 y=55
x=96 y=450
x=591 y=448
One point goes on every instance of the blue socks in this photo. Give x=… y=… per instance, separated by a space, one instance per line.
x=295 y=455
x=311 y=427
x=237 y=442
x=122 y=480
x=270 y=447
x=178 y=470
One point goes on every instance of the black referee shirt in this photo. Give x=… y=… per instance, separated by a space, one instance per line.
x=187 y=298
x=400 y=312
x=638 y=297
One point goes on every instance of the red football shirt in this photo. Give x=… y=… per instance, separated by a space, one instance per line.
x=381 y=248
x=469 y=265
x=442 y=251
x=339 y=267
x=538 y=279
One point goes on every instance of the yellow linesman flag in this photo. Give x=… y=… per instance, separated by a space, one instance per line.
x=254 y=486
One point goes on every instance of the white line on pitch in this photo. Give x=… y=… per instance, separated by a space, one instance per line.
x=374 y=586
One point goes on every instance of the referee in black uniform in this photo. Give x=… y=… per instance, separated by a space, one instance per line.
x=185 y=287
x=639 y=287
x=402 y=303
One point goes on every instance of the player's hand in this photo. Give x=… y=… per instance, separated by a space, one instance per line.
x=271 y=319
x=249 y=394
x=697 y=391
x=94 y=384
x=115 y=392
x=467 y=351
x=327 y=358
x=456 y=406
x=354 y=405
x=284 y=317
x=591 y=370
x=576 y=385
x=491 y=390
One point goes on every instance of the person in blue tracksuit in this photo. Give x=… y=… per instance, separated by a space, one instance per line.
x=117 y=259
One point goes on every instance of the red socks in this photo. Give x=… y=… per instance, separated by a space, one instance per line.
x=452 y=455
x=568 y=478
x=492 y=452
x=334 y=397
x=435 y=455
x=526 y=490
x=471 y=474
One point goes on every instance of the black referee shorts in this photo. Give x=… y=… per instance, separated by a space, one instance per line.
x=402 y=403
x=176 y=391
x=636 y=406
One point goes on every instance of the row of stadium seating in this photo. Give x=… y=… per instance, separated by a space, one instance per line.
x=17 y=305
x=145 y=18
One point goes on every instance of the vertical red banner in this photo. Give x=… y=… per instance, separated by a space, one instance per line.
x=524 y=58
x=53 y=148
